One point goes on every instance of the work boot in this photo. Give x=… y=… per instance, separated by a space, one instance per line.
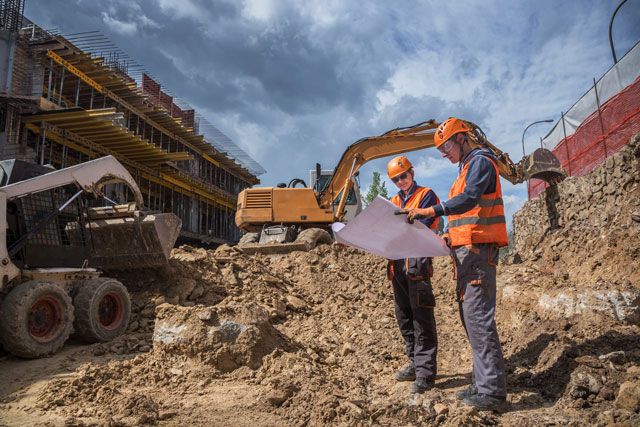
x=485 y=402
x=467 y=392
x=420 y=385
x=408 y=373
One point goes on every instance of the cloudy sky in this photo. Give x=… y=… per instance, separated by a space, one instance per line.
x=295 y=82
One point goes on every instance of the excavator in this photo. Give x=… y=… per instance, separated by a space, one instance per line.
x=280 y=220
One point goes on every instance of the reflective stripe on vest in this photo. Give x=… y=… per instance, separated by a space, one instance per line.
x=414 y=202
x=485 y=222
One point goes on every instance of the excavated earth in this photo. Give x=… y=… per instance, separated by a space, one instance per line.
x=222 y=338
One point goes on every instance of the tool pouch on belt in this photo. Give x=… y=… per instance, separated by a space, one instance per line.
x=418 y=268
x=471 y=265
x=419 y=271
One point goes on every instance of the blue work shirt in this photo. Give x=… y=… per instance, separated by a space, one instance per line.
x=429 y=199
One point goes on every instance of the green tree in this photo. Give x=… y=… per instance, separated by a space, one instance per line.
x=378 y=188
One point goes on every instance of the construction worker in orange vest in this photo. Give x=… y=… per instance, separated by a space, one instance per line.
x=412 y=293
x=476 y=229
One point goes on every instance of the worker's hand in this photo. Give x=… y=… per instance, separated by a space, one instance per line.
x=417 y=213
x=447 y=241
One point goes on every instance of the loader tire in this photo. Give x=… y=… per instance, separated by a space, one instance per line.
x=313 y=237
x=36 y=319
x=248 y=238
x=103 y=309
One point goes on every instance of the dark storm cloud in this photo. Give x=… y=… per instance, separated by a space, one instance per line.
x=297 y=82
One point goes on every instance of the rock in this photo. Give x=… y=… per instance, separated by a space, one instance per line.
x=279 y=308
x=184 y=287
x=583 y=384
x=634 y=370
x=440 y=408
x=636 y=216
x=347 y=349
x=165 y=415
x=228 y=275
x=590 y=361
x=629 y=396
x=229 y=339
x=295 y=302
x=617 y=357
x=197 y=292
x=561 y=275
x=515 y=258
x=280 y=394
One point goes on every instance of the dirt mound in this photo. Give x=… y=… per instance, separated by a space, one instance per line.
x=310 y=338
x=222 y=337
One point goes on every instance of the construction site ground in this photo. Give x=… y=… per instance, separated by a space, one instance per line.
x=310 y=338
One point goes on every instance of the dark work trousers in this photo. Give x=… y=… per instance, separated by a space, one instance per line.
x=476 y=294
x=414 y=306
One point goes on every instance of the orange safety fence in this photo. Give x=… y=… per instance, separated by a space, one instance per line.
x=600 y=135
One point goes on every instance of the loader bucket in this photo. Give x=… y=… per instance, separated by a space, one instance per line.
x=130 y=242
x=543 y=164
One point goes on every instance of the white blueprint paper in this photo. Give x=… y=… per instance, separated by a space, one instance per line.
x=378 y=231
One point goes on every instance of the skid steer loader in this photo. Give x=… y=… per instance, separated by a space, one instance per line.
x=54 y=247
x=299 y=218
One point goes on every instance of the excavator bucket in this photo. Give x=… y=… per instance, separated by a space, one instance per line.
x=123 y=239
x=542 y=164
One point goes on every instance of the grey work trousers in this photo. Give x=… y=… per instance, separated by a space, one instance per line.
x=414 y=308
x=476 y=294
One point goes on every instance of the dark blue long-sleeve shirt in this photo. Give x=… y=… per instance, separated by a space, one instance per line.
x=481 y=179
x=429 y=199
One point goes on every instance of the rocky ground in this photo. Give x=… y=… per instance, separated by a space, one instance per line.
x=219 y=337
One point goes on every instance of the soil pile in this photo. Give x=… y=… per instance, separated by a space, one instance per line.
x=310 y=338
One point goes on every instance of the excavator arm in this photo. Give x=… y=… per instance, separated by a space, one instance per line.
x=541 y=164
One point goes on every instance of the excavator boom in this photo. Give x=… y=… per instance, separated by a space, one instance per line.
x=541 y=164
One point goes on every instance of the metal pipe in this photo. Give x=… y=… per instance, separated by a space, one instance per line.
x=50 y=78
x=613 y=51
x=61 y=87
x=525 y=131
x=604 y=142
x=566 y=146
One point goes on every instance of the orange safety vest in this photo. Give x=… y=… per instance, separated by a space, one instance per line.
x=414 y=202
x=485 y=223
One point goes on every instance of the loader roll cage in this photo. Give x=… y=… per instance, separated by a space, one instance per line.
x=42 y=199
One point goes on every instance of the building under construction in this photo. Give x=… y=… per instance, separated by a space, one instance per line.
x=66 y=99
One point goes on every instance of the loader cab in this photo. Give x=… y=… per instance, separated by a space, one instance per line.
x=354 y=200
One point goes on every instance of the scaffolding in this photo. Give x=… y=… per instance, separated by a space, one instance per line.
x=11 y=14
x=76 y=97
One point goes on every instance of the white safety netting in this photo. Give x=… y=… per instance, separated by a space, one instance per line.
x=621 y=75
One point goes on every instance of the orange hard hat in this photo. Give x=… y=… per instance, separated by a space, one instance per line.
x=447 y=129
x=397 y=166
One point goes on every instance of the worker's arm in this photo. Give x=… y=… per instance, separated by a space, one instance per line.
x=481 y=179
x=428 y=200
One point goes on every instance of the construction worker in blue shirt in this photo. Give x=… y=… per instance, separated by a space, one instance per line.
x=476 y=230
x=413 y=297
